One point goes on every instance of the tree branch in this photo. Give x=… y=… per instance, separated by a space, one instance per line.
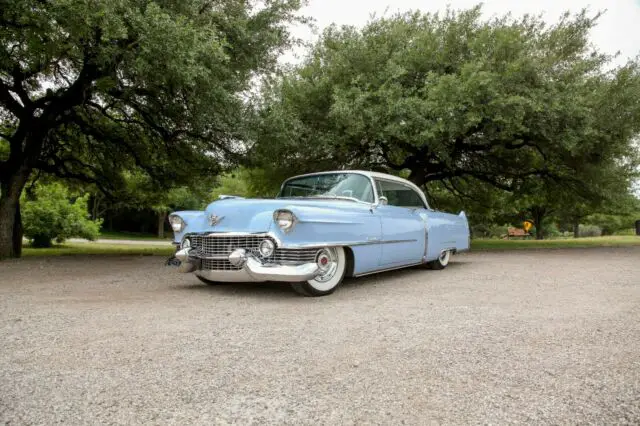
x=10 y=102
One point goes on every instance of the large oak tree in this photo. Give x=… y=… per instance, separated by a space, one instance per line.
x=91 y=87
x=458 y=99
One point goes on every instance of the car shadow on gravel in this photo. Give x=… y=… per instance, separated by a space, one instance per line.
x=241 y=289
x=278 y=290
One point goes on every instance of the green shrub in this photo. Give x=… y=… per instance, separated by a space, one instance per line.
x=585 y=231
x=610 y=224
x=551 y=231
x=630 y=231
x=52 y=215
x=488 y=231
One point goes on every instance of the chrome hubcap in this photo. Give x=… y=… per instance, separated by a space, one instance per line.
x=444 y=257
x=327 y=260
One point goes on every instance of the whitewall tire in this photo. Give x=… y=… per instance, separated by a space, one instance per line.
x=441 y=262
x=327 y=281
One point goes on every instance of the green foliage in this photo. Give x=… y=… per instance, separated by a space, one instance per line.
x=89 y=89
x=180 y=67
x=52 y=215
x=460 y=103
x=628 y=232
x=493 y=244
x=611 y=224
x=245 y=182
x=552 y=231
x=232 y=183
x=586 y=231
x=102 y=249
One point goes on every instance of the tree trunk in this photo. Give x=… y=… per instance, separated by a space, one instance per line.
x=539 y=214
x=576 y=229
x=18 y=232
x=162 y=216
x=10 y=218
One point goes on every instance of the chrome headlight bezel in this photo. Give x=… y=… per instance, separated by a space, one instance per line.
x=177 y=223
x=266 y=248
x=186 y=243
x=285 y=219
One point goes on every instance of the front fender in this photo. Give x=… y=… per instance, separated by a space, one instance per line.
x=194 y=220
x=321 y=226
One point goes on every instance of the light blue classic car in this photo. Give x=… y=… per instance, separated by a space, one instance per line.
x=321 y=228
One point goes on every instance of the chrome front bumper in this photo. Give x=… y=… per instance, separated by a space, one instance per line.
x=251 y=269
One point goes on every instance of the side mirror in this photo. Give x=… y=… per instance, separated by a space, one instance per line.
x=383 y=201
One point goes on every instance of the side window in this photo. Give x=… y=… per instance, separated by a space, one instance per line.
x=399 y=195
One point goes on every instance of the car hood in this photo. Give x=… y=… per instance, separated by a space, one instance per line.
x=256 y=215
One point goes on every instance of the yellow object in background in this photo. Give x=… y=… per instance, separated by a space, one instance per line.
x=527 y=225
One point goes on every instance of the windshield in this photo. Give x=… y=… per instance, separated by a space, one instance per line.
x=329 y=185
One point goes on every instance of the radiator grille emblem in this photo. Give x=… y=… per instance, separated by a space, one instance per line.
x=214 y=220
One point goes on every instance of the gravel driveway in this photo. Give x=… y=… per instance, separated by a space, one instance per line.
x=529 y=336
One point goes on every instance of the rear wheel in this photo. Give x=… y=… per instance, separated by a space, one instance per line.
x=334 y=261
x=441 y=262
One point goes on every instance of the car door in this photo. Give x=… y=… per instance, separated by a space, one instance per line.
x=403 y=221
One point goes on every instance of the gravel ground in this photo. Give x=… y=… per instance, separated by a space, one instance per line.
x=528 y=336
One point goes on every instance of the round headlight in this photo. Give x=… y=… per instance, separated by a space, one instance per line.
x=177 y=224
x=186 y=243
x=285 y=219
x=266 y=248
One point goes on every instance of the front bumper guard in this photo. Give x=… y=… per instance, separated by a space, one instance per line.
x=251 y=268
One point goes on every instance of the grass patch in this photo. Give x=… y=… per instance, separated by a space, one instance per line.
x=107 y=235
x=89 y=248
x=69 y=249
x=630 y=231
x=610 y=241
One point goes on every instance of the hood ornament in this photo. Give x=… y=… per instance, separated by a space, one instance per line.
x=214 y=220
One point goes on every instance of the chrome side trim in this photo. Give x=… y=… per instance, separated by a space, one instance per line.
x=388 y=269
x=280 y=244
x=426 y=237
x=346 y=244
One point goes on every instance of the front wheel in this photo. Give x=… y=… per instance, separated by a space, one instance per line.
x=441 y=262
x=333 y=270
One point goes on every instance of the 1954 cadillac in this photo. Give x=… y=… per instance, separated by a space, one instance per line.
x=321 y=228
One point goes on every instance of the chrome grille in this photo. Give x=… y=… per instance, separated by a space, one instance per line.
x=222 y=246
x=293 y=256
x=219 y=265
x=218 y=247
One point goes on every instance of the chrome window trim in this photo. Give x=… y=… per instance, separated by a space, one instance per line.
x=419 y=193
x=353 y=172
x=371 y=176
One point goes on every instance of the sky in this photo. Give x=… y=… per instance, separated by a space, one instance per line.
x=617 y=31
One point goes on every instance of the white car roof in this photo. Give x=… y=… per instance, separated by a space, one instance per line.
x=374 y=175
